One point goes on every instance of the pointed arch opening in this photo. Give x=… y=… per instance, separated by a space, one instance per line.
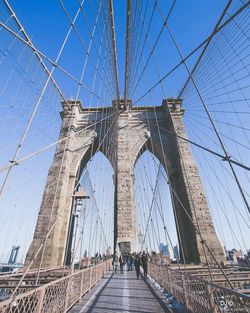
x=155 y=221
x=90 y=232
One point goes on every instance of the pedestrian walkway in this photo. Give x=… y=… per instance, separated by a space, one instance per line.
x=120 y=293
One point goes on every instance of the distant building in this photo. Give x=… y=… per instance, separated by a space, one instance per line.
x=109 y=251
x=12 y=262
x=163 y=249
x=13 y=255
x=238 y=257
x=233 y=254
x=166 y=250
x=176 y=253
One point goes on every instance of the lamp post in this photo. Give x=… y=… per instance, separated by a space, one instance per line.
x=78 y=198
x=140 y=238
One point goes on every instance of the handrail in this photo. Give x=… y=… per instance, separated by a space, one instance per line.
x=58 y=295
x=197 y=294
x=207 y=282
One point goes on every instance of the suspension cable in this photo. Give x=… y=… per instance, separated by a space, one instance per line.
x=53 y=63
x=224 y=12
x=13 y=15
x=173 y=69
x=111 y=9
x=128 y=22
x=227 y=157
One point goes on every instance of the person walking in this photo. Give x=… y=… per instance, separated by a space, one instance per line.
x=137 y=264
x=116 y=263
x=128 y=262
x=144 y=262
x=121 y=263
x=131 y=261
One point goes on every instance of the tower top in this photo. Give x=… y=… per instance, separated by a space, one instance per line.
x=122 y=104
x=69 y=104
x=174 y=104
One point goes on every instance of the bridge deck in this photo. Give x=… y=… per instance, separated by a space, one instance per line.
x=120 y=293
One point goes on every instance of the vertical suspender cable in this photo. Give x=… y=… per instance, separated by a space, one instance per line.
x=30 y=42
x=206 y=45
x=127 y=48
x=114 y=48
x=31 y=118
x=227 y=156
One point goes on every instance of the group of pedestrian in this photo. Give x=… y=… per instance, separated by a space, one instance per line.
x=137 y=260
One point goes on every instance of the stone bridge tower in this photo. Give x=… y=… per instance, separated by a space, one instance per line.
x=133 y=129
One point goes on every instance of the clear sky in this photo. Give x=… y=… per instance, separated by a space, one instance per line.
x=221 y=78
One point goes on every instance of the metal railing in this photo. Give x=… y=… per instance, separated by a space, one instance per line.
x=57 y=296
x=198 y=295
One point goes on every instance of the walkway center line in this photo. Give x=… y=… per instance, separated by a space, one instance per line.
x=125 y=294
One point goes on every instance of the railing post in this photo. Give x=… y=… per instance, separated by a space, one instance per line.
x=170 y=280
x=81 y=288
x=184 y=288
x=67 y=296
x=210 y=298
x=40 y=301
x=159 y=275
x=90 y=278
x=164 y=270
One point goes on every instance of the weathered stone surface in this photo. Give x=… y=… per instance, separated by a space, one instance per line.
x=122 y=138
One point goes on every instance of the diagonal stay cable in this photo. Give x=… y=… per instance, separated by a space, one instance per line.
x=227 y=157
x=136 y=64
x=173 y=69
x=109 y=73
x=53 y=63
x=224 y=12
x=154 y=46
x=112 y=22
x=195 y=227
x=104 y=25
x=134 y=40
x=72 y=23
x=174 y=194
x=13 y=15
x=33 y=114
x=151 y=206
x=137 y=46
x=92 y=33
x=203 y=147
x=35 y=153
x=13 y=295
x=97 y=208
x=108 y=57
x=128 y=22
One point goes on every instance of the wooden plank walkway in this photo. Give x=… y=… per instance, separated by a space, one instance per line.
x=120 y=293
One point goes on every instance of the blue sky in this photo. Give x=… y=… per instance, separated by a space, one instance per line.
x=47 y=24
x=191 y=22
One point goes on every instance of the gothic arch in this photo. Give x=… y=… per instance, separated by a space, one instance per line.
x=135 y=129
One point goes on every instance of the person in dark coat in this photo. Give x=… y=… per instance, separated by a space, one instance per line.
x=131 y=262
x=137 y=264
x=116 y=263
x=121 y=264
x=144 y=262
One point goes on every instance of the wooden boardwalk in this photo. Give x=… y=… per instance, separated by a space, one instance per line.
x=120 y=293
